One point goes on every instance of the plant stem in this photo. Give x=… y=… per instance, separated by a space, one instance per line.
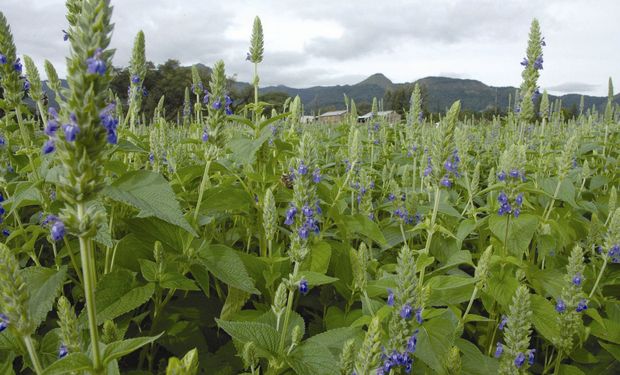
x=558 y=361
x=431 y=231
x=598 y=279
x=203 y=185
x=86 y=252
x=287 y=313
x=33 y=354
x=470 y=304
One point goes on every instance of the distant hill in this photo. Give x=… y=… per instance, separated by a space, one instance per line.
x=441 y=92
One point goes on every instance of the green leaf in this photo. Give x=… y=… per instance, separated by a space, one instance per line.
x=520 y=231
x=74 y=362
x=435 y=339
x=117 y=294
x=26 y=194
x=316 y=279
x=311 y=358
x=320 y=255
x=225 y=264
x=361 y=224
x=450 y=290
x=44 y=285
x=475 y=362
x=570 y=370
x=264 y=336
x=614 y=350
x=226 y=198
x=150 y=193
x=544 y=318
x=121 y=348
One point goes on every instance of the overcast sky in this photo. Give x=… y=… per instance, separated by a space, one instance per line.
x=309 y=43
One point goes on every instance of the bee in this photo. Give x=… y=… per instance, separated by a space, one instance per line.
x=287 y=180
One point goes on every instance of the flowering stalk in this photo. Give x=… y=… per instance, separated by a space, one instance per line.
x=517 y=330
x=256 y=56
x=612 y=248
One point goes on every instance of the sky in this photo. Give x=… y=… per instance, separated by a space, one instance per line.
x=312 y=43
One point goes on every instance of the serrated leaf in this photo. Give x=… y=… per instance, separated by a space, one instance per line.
x=316 y=279
x=44 y=285
x=225 y=264
x=150 y=193
x=264 y=336
x=361 y=224
x=544 y=318
x=520 y=231
x=435 y=339
x=74 y=362
x=313 y=359
x=121 y=348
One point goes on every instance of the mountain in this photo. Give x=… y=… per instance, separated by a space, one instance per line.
x=440 y=93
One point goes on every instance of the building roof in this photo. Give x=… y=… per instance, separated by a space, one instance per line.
x=333 y=113
x=380 y=113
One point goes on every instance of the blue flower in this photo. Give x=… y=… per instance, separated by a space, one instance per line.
x=520 y=360
x=581 y=306
x=514 y=173
x=516 y=213
x=418 y=315
x=290 y=215
x=4 y=322
x=503 y=322
x=58 y=230
x=445 y=181
x=26 y=85
x=519 y=199
x=412 y=343
x=205 y=99
x=538 y=63
x=406 y=311
x=48 y=147
x=217 y=104
x=1 y=198
x=390 y=298
x=303 y=169
x=303 y=287
x=94 y=64
x=560 y=306
x=524 y=62
x=71 y=132
x=316 y=176
x=391 y=197
x=65 y=35
x=307 y=211
x=530 y=356
x=228 y=100
x=17 y=65
x=62 y=351
x=501 y=176
x=108 y=122
x=542 y=42
x=205 y=136
x=248 y=57
x=228 y=111
x=2 y=59
x=135 y=78
x=6 y=232
x=577 y=279
x=51 y=127
x=499 y=350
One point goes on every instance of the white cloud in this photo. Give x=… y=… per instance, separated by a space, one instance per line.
x=324 y=42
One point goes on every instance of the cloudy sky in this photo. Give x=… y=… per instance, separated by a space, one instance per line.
x=322 y=42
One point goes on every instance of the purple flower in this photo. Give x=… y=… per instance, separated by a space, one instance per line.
x=542 y=42
x=581 y=306
x=514 y=173
x=516 y=213
x=418 y=315
x=135 y=78
x=48 y=147
x=307 y=211
x=538 y=63
x=316 y=176
x=501 y=176
x=51 y=127
x=4 y=322
x=524 y=62
x=290 y=215
x=303 y=169
x=519 y=199
x=65 y=35
x=205 y=136
x=560 y=306
x=530 y=356
x=109 y=122
x=2 y=59
x=217 y=104
x=228 y=100
x=6 y=233
x=26 y=85
x=577 y=279
x=248 y=57
x=71 y=132
x=58 y=230
x=503 y=322
x=406 y=311
x=94 y=64
x=303 y=287
x=445 y=181
x=205 y=99
x=390 y=298
x=520 y=360
x=412 y=343
x=62 y=351
x=228 y=111
x=499 y=350
x=17 y=65
x=391 y=197
x=2 y=210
